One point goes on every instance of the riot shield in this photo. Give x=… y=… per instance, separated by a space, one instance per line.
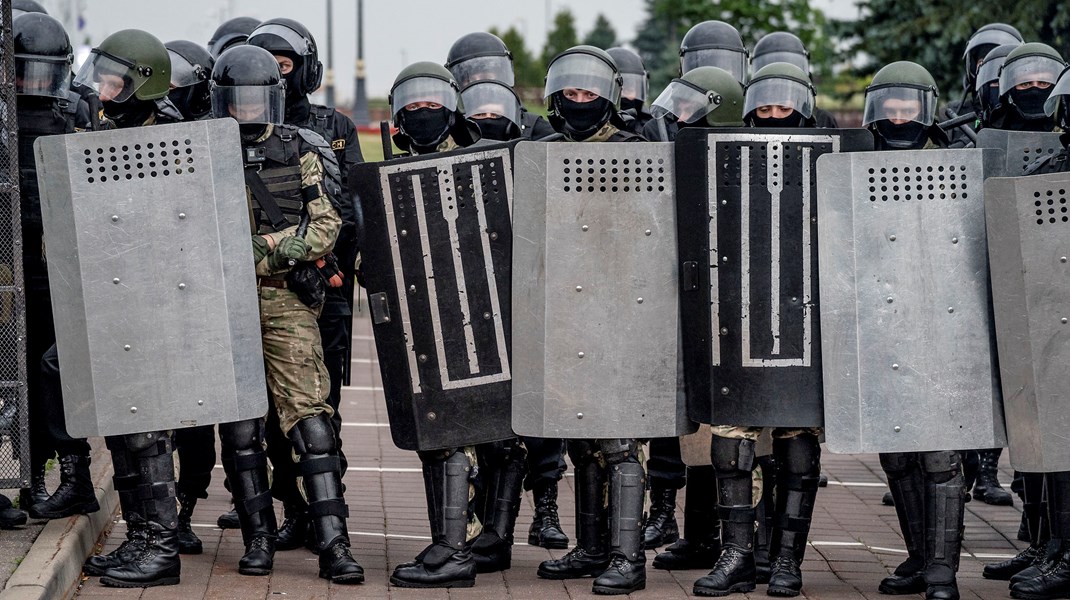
x=153 y=286
x=907 y=340
x=436 y=262
x=748 y=259
x=595 y=314
x=1020 y=148
x=1028 y=221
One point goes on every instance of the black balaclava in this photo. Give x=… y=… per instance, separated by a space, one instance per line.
x=298 y=107
x=1023 y=110
x=582 y=119
x=908 y=136
x=631 y=104
x=498 y=129
x=131 y=113
x=795 y=119
x=426 y=127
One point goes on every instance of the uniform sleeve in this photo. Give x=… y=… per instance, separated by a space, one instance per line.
x=324 y=221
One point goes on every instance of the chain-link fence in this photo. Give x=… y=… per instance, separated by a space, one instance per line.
x=14 y=421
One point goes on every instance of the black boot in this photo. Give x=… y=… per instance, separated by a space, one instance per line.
x=660 y=527
x=37 y=493
x=1038 y=534
x=546 y=526
x=590 y=557
x=626 y=572
x=906 y=485
x=188 y=542
x=245 y=463
x=701 y=544
x=799 y=468
x=764 y=515
x=1053 y=583
x=447 y=562
x=316 y=446
x=987 y=487
x=75 y=494
x=971 y=462
x=294 y=530
x=156 y=564
x=944 y=511
x=498 y=503
x=126 y=480
x=10 y=517
x=734 y=570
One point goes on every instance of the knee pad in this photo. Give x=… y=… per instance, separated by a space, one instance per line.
x=941 y=466
x=732 y=456
x=314 y=435
x=615 y=452
x=153 y=443
x=898 y=464
x=243 y=435
x=799 y=455
x=581 y=452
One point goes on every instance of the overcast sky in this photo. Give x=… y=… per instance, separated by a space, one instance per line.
x=397 y=32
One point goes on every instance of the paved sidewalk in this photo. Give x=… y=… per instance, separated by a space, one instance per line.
x=855 y=539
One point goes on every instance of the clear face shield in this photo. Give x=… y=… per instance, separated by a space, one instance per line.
x=585 y=72
x=684 y=101
x=257 y=104
x=777 y=91
x=899 y=104
x=490 y=99
x=635 y=86
x=423 y=89
x=479 y=68
x=42 y=76
x=988 y=73
x=298 y=44
x=184 y=73
x=988 y=37
x=793 y=58
x=1061 y=90
x=108 y=76
x=732 y=60
x=1029 y=69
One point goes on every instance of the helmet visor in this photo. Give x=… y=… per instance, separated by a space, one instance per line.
x=990 y=37
x=498 y=68
x=900 y=103
x=793 y=58
x=635 y=86
x=685 y=102
x=585 y=72
x=989 y=72
x=262 y=104
x=108 y=76
x=1043 y=69
x=1061 y=90
x=38 y=76
x=423 y=89
x=733 y=61
x=298 y=44
x=776 y=91
x=480 y=99
x=184 y=73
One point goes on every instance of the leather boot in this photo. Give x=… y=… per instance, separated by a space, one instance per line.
x=37 y=492
x=987 y=487
x=590 y=557
x=944 y=511
x=228 y=520
x=245 y=463
x=906 y=485
x=546 y=526
x=10 y=517
x=498 y=504
x=316 y=446
x=733 y=572
x=447 y=562
x=295 y=527
x=126 y=479
x=188 y=542
x=1038 y=533
x=1054 y=582
x=75 y=494
x=626 y=572
x=660 y=527
x=799 y=469
x=156 y=564
x=701 y=544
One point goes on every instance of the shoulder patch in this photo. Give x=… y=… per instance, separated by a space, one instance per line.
x=338 y=144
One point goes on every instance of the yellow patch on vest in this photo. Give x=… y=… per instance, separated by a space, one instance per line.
x=338 y=144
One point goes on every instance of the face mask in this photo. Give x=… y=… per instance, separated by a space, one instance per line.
x=251 y=131
x=131 y=113
x=584 y=118
x=498 y=128
x=908 y=136
x=427 y=127
x=630 y=104
x=989 y=97
x=795 y=119
x=1030 y=102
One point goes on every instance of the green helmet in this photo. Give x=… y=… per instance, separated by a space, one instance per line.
x=425 y=82
x=901 y=82
x=127 y=63
x=781 y=84
x=705 y=96
x=1030 y=62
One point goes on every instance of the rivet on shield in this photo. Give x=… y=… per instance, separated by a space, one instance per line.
x=579 y=288
x=890 y=300
x=431 y=416
x=724 y=259
x=951 y=309
x=579 y=354
x=579 y=415
x=794 y=299
x=724 y=331
x=954 y=240
x=1063 y=320
x=115 y=218
x=638 y=300
x=897 y=429
x=724 y=202
x=181 y=215
x=486 y=316
x=412 y=289
x=724 y=391
x=181 y=286
x=133 y=409
x=585 y=228
x=648 y=232
x=200 y=403
x=895 y=366
x=115 y=281
x=493 y=235
x=891 y=238
x=127 y=347
x=423 y=358
x=1063 y=259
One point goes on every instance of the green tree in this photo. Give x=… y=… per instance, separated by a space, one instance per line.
x=562 y=37
x=602 y=35
x=528 y=69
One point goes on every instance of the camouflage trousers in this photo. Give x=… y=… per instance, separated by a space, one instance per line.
x=741 y=432
x=297 y=378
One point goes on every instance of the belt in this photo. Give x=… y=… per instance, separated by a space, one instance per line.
x=271 y=282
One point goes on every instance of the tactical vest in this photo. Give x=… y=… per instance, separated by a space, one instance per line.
x=321 y=120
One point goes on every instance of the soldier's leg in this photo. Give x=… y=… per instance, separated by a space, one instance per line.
x=335 y=337
x=626 y=572
x=447 y=561
x=907 y=486
x=196 y=459
x=666 y=471
x=590 y=557
x=546 y=466
x=40 y=335
x=798 y=459
x=1036 y=520
x=701 y=543
x=765 y=476
x=502 y=466
x=987 y=487
x=158 y=563
x=944 y=511
x=295 y=530
x=1046 y=559
x=1054 y=581
x=125 y=478
x=245 y=463
x=733 y=456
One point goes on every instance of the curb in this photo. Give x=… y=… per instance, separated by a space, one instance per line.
x=52 y=569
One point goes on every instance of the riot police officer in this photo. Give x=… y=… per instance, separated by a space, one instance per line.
x=297 y=54
x=780 y=95
x=231 y=33
x=636 y=83
x=978 y=46
x=583 y=89
x=900 y=109
x=714 y=44
x=495 y=109
x=191 y=67
x=1025 y=82
x=781 y=46
x=987 y=82
x=45 y=106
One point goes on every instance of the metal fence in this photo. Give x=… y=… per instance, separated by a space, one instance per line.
x=14 y=418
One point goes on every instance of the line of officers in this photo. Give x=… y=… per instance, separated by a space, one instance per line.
x=297 y=156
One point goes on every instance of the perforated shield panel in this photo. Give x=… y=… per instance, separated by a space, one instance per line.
x=907 y=341
x=153 y=289
x=1021 y=148
x=1028 y=221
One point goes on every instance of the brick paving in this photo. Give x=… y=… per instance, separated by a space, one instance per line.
x=855 y=540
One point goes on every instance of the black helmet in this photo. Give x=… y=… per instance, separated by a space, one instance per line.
x=633 y=72
x=714 y=44
x=779 y=46
x=981 y=43
x=191 y=68
x=230 y=33
x=43 y=56
x=248 y=86
x=287 y=37
x=478 y=56
x=494 y=107
x=21 y=7
x=986 y=87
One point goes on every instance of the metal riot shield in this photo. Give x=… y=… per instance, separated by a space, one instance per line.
x=436 y=262
x=1028 y=222
x=1021 y=148
x=595 y=314
x=907 y=340
x=748 y=260
x=153 y=287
